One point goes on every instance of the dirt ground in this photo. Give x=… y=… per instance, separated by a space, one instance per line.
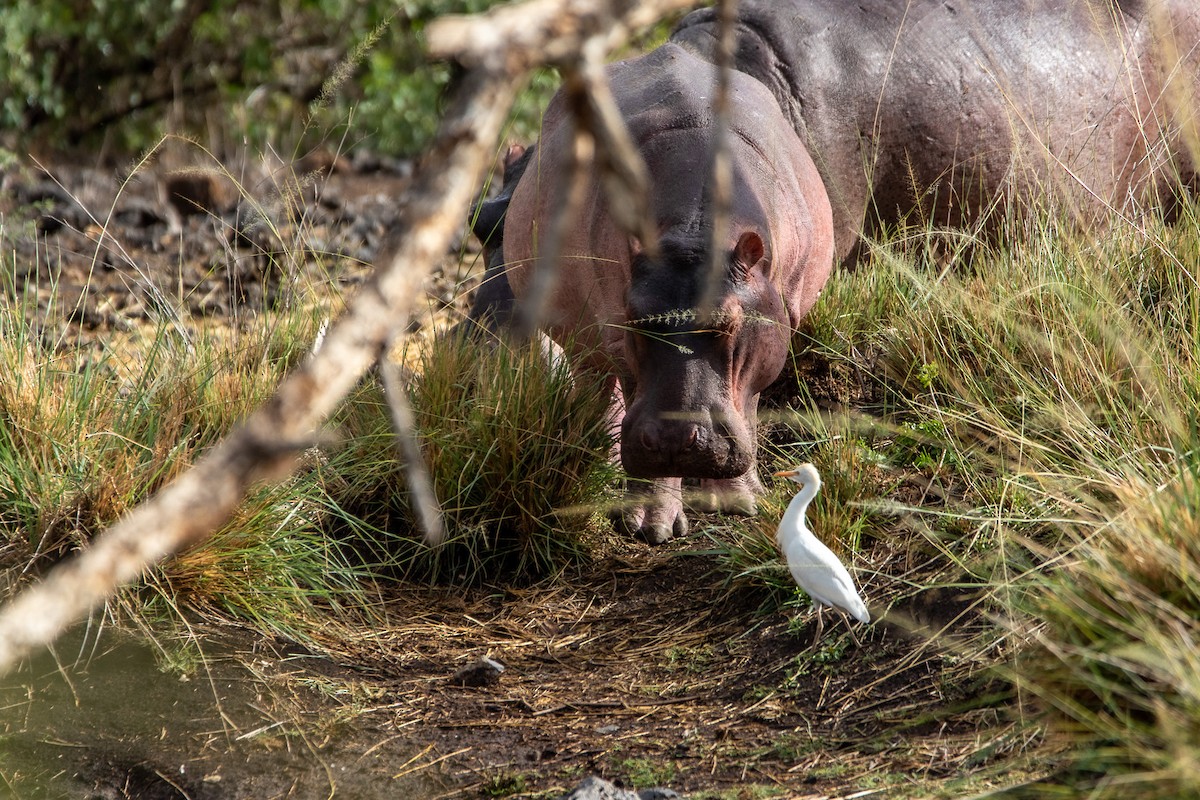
x=643 y=668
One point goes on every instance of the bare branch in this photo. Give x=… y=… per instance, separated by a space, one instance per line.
x=722 y=166
x=420 y=485
x=569 y=192
x=517 y=38
x=623 y=173
x=600 y=136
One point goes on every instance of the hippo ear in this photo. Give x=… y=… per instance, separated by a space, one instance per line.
x=515 y=151
x=747 y=254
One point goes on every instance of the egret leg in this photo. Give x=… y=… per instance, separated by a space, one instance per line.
x=850 y=627
x=820 y=625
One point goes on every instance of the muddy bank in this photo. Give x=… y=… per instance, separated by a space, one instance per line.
x=113 y=716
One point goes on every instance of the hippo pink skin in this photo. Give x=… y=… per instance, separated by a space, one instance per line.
x=685 y=390
x=960 y=112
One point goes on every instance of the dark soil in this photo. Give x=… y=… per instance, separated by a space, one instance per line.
x=201 y=244
x=644 y=668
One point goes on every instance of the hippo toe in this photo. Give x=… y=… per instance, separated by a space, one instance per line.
x=656 y=513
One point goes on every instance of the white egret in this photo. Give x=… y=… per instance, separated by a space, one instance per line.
x=814 y=566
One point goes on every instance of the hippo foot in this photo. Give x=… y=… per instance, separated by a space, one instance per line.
x=652 y=525
x=738 y=496
x=654 y=513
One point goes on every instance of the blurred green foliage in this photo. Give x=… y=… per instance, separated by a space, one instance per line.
x=260 y=71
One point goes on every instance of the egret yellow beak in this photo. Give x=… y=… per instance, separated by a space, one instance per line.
x=785 y=473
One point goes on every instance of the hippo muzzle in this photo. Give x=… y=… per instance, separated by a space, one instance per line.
x=706 y=443
x=682 y=419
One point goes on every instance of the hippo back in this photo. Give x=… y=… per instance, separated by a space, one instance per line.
x=948 y=110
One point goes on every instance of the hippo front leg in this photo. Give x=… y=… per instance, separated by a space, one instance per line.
x=729 y=495
x=651 y=509
x=654 y=510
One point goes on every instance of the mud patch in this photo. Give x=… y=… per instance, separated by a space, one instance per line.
x=111 y=721
x=97 y=254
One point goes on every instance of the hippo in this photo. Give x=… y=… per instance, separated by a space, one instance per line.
x=965 y=113
x=946 y=113
x=685 y=384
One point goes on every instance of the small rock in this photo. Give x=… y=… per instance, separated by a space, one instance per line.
x=70 y=215
x=593 y=788
x=139 y=214
x=481 y=672
x=200 y=192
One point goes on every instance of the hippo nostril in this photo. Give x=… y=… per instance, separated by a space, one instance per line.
x=671 y=439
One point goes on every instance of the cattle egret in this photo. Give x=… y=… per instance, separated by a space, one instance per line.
x=814 y=566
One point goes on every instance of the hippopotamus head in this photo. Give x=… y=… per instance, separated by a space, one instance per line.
x=692 y=380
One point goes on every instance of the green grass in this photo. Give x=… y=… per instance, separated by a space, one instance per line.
x=645 y=773
x=1043 y=397
x=504 y=784
x=84 y=438
x=1051 y=392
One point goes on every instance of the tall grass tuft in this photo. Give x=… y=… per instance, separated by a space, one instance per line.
x=518 y=449
x=274 y=565
x=1031 y=427
x=85 y=436
x=1115 y=659
x=1062 y=375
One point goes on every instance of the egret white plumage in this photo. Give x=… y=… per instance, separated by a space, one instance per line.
x=814 y=566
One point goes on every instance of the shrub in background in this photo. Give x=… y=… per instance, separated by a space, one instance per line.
x=120 y=68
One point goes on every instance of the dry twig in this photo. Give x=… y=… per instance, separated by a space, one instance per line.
x=721 y=185
x=569 y=195
x=596 y=120
x=424 y=496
